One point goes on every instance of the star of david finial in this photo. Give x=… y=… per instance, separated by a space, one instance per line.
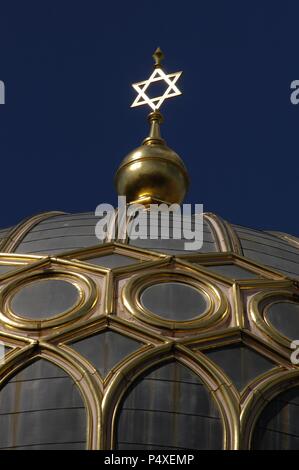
x=158 y=75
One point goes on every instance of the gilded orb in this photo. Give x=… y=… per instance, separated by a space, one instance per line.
x=153 y=171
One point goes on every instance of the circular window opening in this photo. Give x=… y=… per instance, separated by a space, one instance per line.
x=174 y=301
x=284 y=317
x=44 y=299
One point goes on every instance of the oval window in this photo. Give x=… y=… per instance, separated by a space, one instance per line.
x=174 y=301
x=44 y=299
x=284 y=317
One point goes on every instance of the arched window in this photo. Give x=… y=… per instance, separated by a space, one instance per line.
x=169 y=408
x=41 y=408
x=278 y=426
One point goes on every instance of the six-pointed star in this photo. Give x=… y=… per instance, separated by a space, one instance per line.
x=157 y=75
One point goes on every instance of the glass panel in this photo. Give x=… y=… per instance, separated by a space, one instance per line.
x=174 y=301
x=105 y=349
x=41 y=408
x=284 y=316
x=171 y=244
x=233 y=271
x=278 y=426
x=44 y=299
x=169 y=408
x=112 y=261
x=240 y=363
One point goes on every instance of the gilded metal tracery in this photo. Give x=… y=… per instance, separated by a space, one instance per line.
x=110 y=301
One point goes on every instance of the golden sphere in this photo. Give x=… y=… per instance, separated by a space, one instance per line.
x=152 y=171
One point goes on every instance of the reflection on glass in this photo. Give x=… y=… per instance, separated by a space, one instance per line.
x=41 y=409
x=169 y=408
x=112 y=261
x=278 y=425
x=241 y=363
x=284 y=316
x=106 y=349
x=44 y=298
x=233 y=271
x=174 y=301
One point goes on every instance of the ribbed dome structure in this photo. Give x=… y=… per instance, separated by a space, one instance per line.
x=144 y=345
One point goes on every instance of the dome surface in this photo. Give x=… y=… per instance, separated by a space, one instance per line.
x=66 y=232
x=179 y=349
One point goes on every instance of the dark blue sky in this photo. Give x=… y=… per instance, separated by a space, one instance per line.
x=67 y=123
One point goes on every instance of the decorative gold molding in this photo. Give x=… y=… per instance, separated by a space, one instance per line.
x=31 y=266
x=234 y=239
x=217 y=310
x=256 y=308
x=237 y=336
x=199 y=364
x=110 y=248
x=225 y=323
x=118 y=386
x=88 y=295
x=220 y=231
x=260 y=396
x=75 y=332
x=205 y=260
x=73 y=369
x=223 y=390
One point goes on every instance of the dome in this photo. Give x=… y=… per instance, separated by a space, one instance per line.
x=141 y=342
x=178 y=349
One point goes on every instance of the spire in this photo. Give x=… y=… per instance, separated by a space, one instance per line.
x=155 y=119
x=158 y=56
x=153 y=172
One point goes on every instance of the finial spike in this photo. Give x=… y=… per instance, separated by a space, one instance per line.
x=155 y=118
x=158 y=56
